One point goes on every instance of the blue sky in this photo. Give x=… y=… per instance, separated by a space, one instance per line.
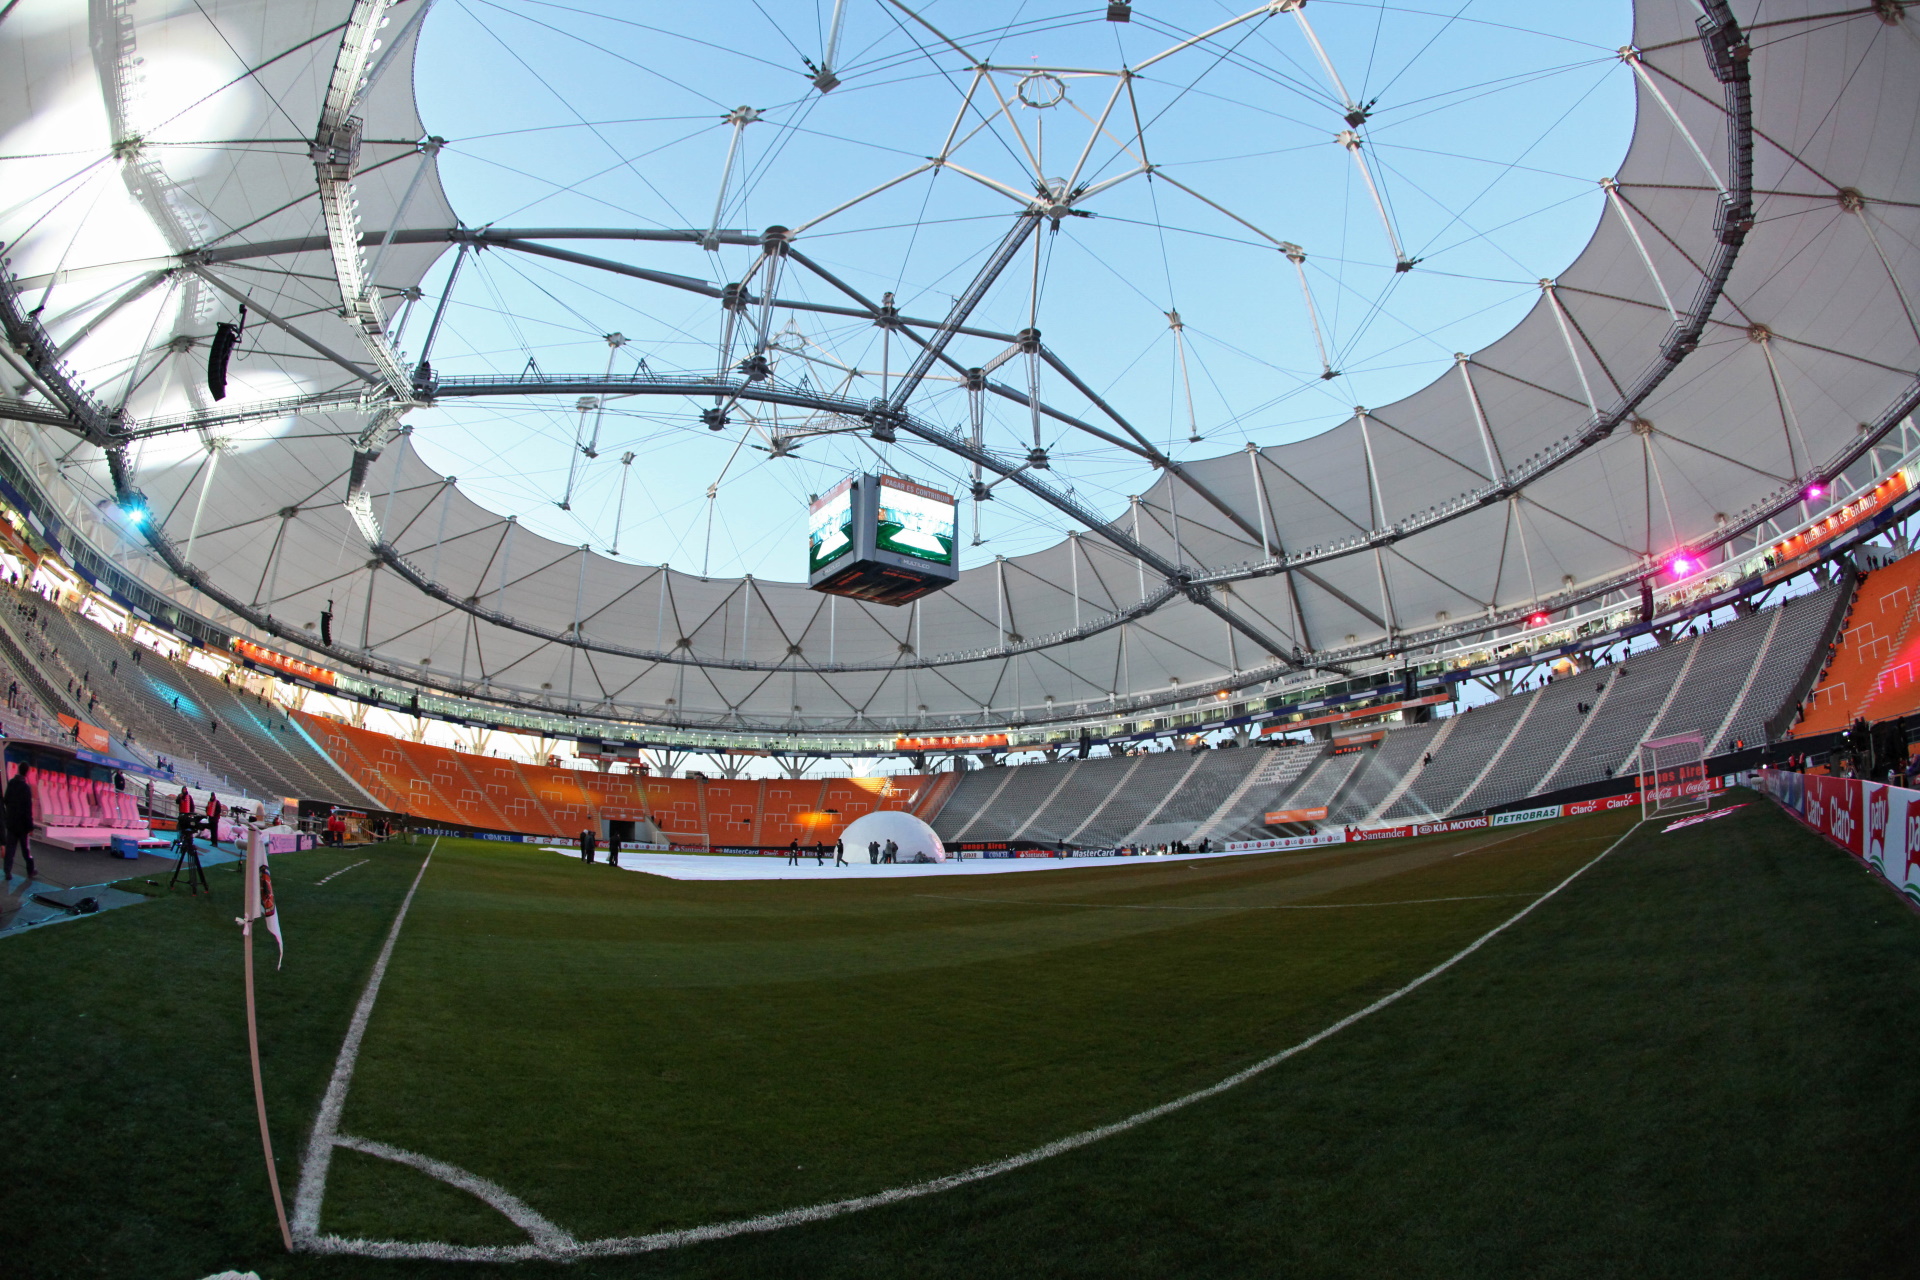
x=1489 y=125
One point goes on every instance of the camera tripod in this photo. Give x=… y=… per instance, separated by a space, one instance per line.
x=187 y=860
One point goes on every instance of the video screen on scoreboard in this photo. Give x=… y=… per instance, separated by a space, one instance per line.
x=913 y=521
x=830 y=528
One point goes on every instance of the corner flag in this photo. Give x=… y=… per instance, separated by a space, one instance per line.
x=260 y=904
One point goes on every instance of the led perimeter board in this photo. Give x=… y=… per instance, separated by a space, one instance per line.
x=881 y=539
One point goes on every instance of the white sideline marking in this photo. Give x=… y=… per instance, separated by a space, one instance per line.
x=326 y=1126
x=1291 y=906
x=342 y=871
x=615 y=1246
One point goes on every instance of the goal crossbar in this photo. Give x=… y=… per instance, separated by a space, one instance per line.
x=1673 y=775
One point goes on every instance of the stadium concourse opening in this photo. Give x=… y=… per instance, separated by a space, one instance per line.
x=893 y=639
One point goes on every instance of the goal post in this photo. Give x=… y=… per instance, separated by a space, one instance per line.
x=1673 y=775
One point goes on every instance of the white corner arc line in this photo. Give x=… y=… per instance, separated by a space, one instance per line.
x=615 y=1246
x=545 y=1234
x=326 y=1125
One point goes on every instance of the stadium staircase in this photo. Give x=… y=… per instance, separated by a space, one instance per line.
x=1239 y=816
x=1872 y=671
x=1434 y=745
x=933 y=797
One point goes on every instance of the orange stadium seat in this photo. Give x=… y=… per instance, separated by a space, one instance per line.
x=1872 y=672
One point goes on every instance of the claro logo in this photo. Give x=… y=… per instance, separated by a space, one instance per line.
x=1842 y=823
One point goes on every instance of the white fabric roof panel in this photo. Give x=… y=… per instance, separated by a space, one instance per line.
x=1835 y=106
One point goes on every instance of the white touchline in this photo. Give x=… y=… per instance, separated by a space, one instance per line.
x=326 y=1126
x=559 y=1247
x=1288 y=906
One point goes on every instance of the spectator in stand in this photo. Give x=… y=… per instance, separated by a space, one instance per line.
x=18 y=812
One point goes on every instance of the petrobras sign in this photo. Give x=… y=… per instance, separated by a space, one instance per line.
x=1284 y=842
x=1525 y=815
x=1878 y=824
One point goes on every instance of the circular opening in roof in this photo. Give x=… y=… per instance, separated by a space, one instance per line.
x=1244 y=235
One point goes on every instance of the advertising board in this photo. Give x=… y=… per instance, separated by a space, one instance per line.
x=1876 y=823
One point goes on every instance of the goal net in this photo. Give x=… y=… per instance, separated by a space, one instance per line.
x=1673 y=775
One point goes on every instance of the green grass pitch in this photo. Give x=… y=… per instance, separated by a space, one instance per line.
x=1695 y=1060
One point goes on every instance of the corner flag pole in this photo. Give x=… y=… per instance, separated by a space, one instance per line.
x=252 y=910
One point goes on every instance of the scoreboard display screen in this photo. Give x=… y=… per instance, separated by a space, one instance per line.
x=914 y=521
x=830 y=528
x=882 y=539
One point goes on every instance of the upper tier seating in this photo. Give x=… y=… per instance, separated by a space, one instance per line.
x=172 y=708
x=1876 y=661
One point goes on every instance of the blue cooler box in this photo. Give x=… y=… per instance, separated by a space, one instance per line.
x=126 y=846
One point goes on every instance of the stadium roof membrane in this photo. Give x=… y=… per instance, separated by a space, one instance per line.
x=1740 y=330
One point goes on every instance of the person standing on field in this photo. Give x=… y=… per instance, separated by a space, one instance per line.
x=840 y=853
x=18 y=811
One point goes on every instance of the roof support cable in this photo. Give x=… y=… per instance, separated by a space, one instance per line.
x=1186 y=381
x=1789 y=420
x=422 y=369
x=140 y=289
x=506 y=558
x=620 y=507
x=1631 y=56
x=1549 y=288
x=1351 y=141
x=1612 y=188
x=739 y=118
x=1856 y=204
x=446 y=500
x=1495 y=472
x=428 y=149
x=1073 y=558
x=1377 y=518
x=977 y=424
x=1298 y=257
x=1520 y=527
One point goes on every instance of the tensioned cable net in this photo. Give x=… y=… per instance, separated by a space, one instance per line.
x=1251 y=342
